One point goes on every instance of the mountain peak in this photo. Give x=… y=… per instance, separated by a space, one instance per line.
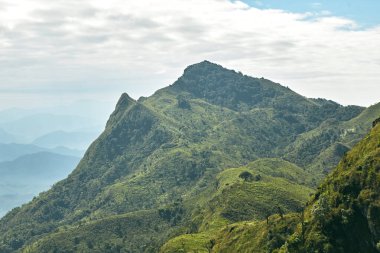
x=124 y=103
x=204 y=67
x=228 y=88
x=202 y=64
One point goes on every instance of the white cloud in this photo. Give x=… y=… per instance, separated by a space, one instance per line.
x=101 y=48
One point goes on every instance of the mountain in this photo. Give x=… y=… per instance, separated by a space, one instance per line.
x=33 y=126
x=9 y=152
x=6 y=137
x=26 y=176
x=343 y=215
x=34 y=167
x=13 y=114
x=320 y=149
x=74 y=140
x=25 y=125
x=211 y=150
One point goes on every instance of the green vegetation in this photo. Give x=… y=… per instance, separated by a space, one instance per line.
x=89 y=236
x=320 y=149
x=235 y=199
x=341 y=217
x=186 y=164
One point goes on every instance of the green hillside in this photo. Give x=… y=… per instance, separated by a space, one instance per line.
x=341 y=217
x=192 y=159
x=233 y=198
x=320 y=149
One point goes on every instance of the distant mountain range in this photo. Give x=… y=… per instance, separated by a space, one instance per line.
x=27 y=175
x=38 y=147
x=34 y=126
x=6 y=137
x=216 y=162
x=9 y=152
x=74 y=140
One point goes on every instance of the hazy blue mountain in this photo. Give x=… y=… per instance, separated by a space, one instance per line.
x=74 y=140
x=6 y=137
x=9 y=152
x=13 y=114
x=61 y=133
x=40 y=166
x=97 y=110
x=30 y=174
x=34 y=126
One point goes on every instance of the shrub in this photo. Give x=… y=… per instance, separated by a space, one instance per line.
x=246 y=176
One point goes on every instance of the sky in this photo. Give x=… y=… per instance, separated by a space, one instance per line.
x=364 y=12
x=58 y=52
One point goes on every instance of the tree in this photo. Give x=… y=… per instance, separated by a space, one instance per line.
x=183 y=103
x=246 y=176
x=321 y=208
x=280 y=212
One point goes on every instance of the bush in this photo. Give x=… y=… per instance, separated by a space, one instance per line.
x=246 y=176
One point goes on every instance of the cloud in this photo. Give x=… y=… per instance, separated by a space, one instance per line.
x=102 y=48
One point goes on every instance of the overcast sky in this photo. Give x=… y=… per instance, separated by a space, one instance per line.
x=65 y=50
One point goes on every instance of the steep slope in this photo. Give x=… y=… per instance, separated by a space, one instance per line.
x=159 y=156
x=344 y=215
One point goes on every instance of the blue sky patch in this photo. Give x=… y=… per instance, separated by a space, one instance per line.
x=364 y=12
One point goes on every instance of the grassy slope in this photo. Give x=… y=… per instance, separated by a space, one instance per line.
x=245 y=237
x=341 y=217
x=232 y=199
x=90 y=236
